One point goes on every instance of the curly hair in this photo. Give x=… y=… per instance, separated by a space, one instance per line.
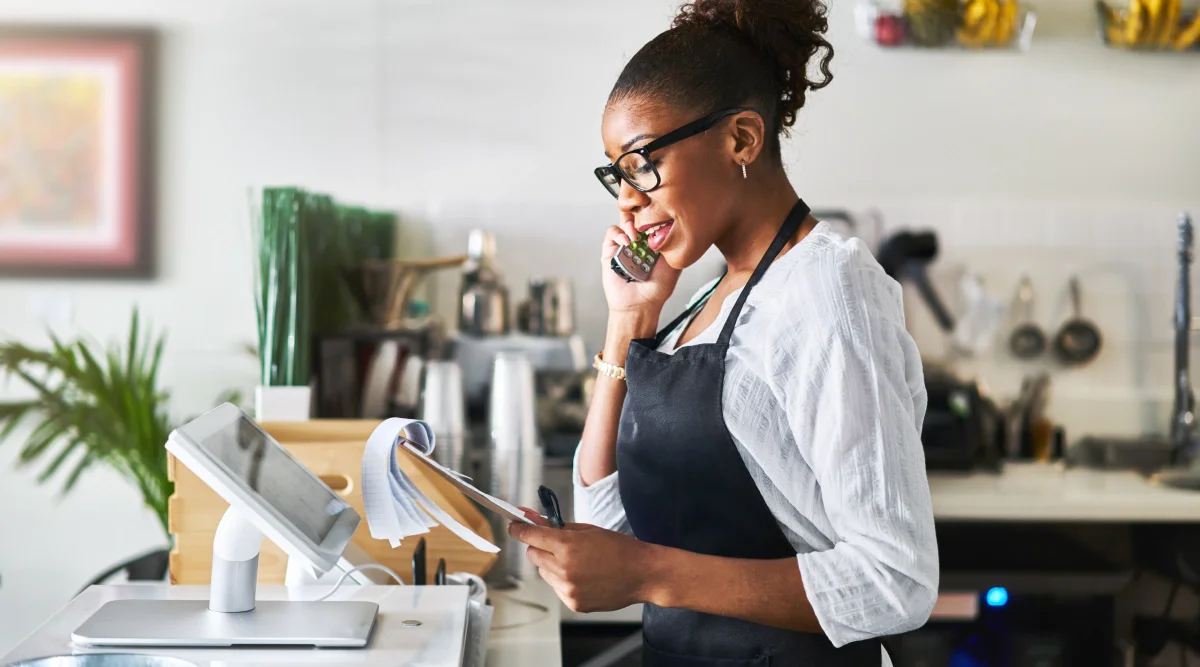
x=725 y=53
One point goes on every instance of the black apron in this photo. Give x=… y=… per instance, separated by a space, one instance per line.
x=684 y=485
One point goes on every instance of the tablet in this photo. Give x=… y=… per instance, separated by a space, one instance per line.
x=254 y=473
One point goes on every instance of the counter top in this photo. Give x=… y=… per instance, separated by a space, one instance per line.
x=525 y=629
x=1051 y=492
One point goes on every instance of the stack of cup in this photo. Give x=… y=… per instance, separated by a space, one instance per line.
x=516 y=457
x=442 y=409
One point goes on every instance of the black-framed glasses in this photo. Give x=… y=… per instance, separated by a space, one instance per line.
x=637 y=169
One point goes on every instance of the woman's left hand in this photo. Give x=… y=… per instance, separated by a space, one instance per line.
x=590 y=568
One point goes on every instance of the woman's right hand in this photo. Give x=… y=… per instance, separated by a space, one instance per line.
x=635 y=298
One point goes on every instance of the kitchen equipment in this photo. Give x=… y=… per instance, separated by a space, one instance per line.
x=103 y=660
x=483 y=298
x=382 y=288
x=476 y=355
x=963 y=428
x=550 y=309
x=1027 y=340
x=905 y=256
x=442 y=407
x=1079 y=340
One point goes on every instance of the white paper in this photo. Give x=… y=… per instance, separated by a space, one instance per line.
x=395 y=507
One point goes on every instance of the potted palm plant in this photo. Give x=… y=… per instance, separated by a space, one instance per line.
x=92 y=405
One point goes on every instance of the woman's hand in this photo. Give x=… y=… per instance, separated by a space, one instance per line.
x=589 y=568
x=635 y=298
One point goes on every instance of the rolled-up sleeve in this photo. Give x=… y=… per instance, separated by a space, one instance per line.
x=600 y=503
x=855 y=401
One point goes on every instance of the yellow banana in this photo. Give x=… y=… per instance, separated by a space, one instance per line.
x=974 y=14
x=1135 y=22
x=1170 y=23
x=1154 y=20
x=1007 y=26
x=1114 y=25
x=977 y=23
x=991 y=23
x=1188 y=37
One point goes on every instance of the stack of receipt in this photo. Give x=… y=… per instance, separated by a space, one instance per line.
x=395 y=507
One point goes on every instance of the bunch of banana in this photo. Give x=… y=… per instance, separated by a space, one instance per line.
x=1151 y=24
x=988 y=23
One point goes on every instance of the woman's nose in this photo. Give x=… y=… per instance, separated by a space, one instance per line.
x=631 y=200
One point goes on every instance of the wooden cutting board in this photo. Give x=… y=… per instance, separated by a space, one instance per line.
x=333 y=450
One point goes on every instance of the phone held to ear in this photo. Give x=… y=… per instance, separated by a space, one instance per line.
x=634 y=261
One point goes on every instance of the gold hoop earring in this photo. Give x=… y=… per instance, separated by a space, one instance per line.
x=743 y=170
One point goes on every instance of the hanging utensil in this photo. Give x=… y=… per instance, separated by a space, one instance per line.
x=1079 y=340
x=1027 y=339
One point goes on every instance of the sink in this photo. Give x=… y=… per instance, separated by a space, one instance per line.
x=1144 y=455
x=103 y=660
x=1187 y=479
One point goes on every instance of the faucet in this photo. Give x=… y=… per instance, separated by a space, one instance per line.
x=1183 y=419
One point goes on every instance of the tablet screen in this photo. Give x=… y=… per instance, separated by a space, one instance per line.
x=267 y=469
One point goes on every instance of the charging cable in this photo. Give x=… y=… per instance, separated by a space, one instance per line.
x=359 y=568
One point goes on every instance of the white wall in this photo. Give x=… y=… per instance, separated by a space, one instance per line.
x=1067 y=158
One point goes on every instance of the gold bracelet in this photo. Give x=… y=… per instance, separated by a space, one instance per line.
x=605 y=368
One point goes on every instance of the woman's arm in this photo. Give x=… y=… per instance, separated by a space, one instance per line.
x=598 y=448
x=854 y=394
x=594 y=569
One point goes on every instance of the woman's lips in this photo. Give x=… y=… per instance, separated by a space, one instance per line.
x=658 y=236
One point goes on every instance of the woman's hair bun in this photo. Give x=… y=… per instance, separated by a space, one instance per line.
x=788 y=33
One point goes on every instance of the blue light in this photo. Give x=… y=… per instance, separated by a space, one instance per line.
x=997 y=596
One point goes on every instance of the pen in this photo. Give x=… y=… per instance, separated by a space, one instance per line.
x=418 y=563
x=550 y=504
x=439 y=575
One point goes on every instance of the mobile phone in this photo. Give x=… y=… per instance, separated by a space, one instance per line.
x=634 y=261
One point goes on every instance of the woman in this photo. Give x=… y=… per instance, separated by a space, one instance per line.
x=753 y=473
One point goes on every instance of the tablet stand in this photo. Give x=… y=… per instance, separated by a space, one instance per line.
x=234 y=564
x=231 y=616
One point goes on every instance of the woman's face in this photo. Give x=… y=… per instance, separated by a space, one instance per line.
x=694 y=205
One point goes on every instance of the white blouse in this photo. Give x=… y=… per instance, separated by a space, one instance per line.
x=824 y=396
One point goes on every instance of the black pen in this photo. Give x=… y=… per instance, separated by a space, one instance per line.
x=439 y=575
x=418 y=563
x=550 y=504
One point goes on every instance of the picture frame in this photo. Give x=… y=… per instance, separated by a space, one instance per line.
x=78 y=126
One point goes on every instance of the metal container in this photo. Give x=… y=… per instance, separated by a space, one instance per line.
x=442 y=408
x=103 y=660
x=550 y=310
x=483 y=298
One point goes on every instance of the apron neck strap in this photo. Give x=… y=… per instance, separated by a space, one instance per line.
x=794 y=219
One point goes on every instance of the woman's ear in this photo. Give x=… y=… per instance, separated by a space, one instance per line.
x=747 y=137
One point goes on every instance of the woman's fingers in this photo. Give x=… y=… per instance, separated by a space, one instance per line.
x=534 y=516
x=544 y=560
x=614 y=240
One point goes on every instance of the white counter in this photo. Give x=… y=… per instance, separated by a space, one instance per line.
x=1049 y=492
x=524 y=629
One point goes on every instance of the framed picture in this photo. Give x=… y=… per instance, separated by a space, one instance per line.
x=77 y=147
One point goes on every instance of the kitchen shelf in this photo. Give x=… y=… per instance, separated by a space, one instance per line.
x=1112 y=20
x=885 y=24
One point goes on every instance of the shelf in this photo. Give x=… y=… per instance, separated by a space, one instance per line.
x=974 y=25
x=1173 y=30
